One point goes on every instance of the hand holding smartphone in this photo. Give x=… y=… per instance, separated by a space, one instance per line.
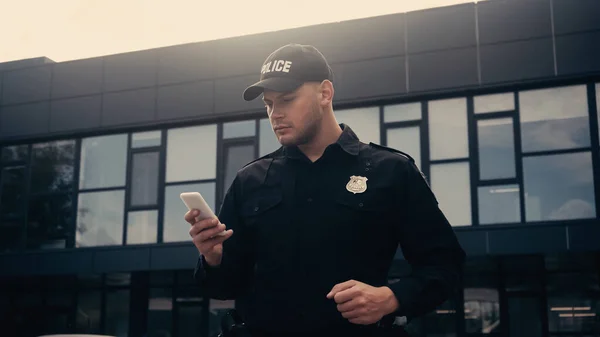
x=194 y=200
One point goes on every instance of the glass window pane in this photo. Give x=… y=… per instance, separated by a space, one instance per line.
x=407 y=139
x=555 y=118
x=217 y=311
x=87 y=316
x=448 y=133
x=496 y=148
x=236 y=157
x=49 y=221
x=146 y=139
x=525 y=316
x=559 y=187
x=103 y=162
x=494 y=102
x=267 y=141
x=144 y=179
x=160 y=312
x=14 y=153
x=482 y=310
x=192 y=153
x=598 y=105
x=402 y=112
x=363 y=121
x=100 y=219
x=451 y=185
x=188 y=324
x=52 y=166
x=142 y=227
x=175 y=227
x=499 y=204
x=13 y=185
x=117 y=313
x=239 y=129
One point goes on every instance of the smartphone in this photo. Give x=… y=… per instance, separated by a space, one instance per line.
x=194 y=200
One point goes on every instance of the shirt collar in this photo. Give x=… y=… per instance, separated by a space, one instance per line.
x=348 y=141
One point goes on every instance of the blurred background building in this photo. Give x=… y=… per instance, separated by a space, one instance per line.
x=497 y=101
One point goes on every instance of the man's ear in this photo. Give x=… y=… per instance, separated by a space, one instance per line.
x=327 y=92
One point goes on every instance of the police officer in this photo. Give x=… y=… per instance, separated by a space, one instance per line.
x=313 y=227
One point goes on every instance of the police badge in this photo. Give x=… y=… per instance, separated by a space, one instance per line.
x=357 y=184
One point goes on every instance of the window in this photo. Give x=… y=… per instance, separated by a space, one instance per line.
x=239 y=129
x=559 y=187
x=192 y=153
x=494 y=103
x=103 y=162
x=49 y=220
x=499 y=204
x=160 y=312
x=448 y=129
x=267 y=141
x=87 y=315
x=598 y=105
x=402 y=112
x=52 y=166
x=554 y=119
x=100 y=218
x=144 y=179
x=142 y=227
x=175 y=227
x=451 y=185
x=146 y=139
x=406 y=139
x=363 y=121
x=236 y=156
x=12 y=186
x=496 y=148
x=525 y=316
x=117 y=312
x=14 y=153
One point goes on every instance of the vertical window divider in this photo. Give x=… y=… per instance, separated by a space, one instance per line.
x=220 y=176
x=473 y=160
x=26 y=197
x=75 y=204
x=519 y=156
x=425 y=160
x=593 y=120
x=126 y=204
x=162 y=173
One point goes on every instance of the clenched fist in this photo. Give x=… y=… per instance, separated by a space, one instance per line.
x=361 y=303
x=205 y=238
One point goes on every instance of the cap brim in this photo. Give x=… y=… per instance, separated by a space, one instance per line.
x=278 y=84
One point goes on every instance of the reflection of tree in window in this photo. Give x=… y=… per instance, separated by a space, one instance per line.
x=52 y=166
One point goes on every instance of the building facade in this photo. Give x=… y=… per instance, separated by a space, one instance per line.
x=497 y=101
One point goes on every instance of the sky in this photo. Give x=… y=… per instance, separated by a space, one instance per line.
x=65 y=30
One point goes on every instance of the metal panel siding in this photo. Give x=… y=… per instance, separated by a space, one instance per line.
x=473 y=242
x=571 y=16
x=228 y=94
x=501 y=21
x=24 y=119
x=189 y=62
x=131 y=70
x=65 y=263
x=75 y=113
x=117 y=260
x=531 y=240
x=584 y=237
x=128 y=107
x=27 y=85
x=441 y=28
x=516 y=61
x=169 y=258
x=82 y=77
x=445 y=69
x=185 y=100
x=373 y=78
x=578 y=53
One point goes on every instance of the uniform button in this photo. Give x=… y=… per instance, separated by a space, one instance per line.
x=309 y=199
x=368 y=163
x=256 y=209
x=367 y=169
x=360 y=205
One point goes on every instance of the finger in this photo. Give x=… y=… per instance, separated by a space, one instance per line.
x=340 y=287
x=208 y=245
x=362 y=320
x=354 y=314
x=211 y=232
x=203 y=225
x=346 y=295
x=191 y=215
x=347 y=306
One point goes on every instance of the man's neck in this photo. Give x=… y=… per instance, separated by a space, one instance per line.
x=329 y=134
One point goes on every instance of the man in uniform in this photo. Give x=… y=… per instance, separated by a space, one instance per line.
x=313 y=227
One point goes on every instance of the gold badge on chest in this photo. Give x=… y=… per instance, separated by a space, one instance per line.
x=357 y=184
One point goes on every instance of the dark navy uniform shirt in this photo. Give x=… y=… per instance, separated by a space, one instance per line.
x=300 y=228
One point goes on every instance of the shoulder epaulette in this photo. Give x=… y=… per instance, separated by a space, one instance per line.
x=392 y=150
x=268 y=155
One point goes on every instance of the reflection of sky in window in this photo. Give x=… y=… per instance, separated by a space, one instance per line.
x=555 y=118
x=448 y=133
x=496 y=148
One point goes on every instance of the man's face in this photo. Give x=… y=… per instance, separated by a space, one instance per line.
x=295 y=116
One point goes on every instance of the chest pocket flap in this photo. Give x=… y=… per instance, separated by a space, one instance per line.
x=261 y=202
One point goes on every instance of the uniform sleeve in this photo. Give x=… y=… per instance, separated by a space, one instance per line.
x=429 y=245
x=232 y=277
